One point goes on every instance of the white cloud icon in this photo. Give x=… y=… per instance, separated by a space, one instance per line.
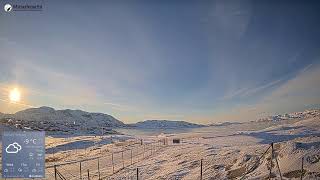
x=17 y=145
x=13 y=148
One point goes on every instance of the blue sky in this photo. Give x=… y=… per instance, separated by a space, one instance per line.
x=203 y=62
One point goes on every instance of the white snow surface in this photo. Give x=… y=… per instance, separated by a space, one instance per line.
x=231 y=156
x=227 y=153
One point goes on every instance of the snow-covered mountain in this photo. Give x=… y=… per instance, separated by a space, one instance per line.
x=149 y=124
x=72 y=121
x=295 y=115
x=68 y=116
x=224 y=124
x=49 y=119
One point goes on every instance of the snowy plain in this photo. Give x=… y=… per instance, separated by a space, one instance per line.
x=226 y=152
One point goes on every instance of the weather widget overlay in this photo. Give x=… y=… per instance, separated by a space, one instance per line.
x=23 y=154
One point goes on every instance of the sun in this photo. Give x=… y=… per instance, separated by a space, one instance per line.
x=15 y=95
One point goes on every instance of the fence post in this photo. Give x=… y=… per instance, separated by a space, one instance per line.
x=137 y=155
x=150 y=151
x=201 y=169
x=88 y=175
x=137 y=173
x=131 y=156
x=122 y=159
x=302 y=168
x=112 y=163
x=278 y=168
x=144 y=146
x=80 y=171
x=53 y=153
x=271 y=161
x=99 y=168
x=55 y=172
x=258 y=161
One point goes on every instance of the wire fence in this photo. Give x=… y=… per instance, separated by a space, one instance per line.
x=204 y=168
x=122 y=163
x=275 y=172
x=102 y=167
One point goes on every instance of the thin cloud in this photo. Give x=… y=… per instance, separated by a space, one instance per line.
x=261 y=88
x=245 y=92
x=121 y=107
x=295 y=94
x=18 y=103
x=112 y=104
x=234 y=94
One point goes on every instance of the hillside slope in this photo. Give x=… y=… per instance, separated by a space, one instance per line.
x=67 y=121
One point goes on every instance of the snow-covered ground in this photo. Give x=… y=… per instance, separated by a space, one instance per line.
x=231 y=156
x=227 y=152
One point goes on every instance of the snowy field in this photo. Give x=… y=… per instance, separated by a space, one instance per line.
x=226 y=152
x=230 y=156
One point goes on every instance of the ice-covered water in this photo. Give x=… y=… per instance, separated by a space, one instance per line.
x=217 y=130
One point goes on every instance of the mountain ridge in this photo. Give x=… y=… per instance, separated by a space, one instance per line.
x=71 y=121
x=165 y=124
x=65 y=121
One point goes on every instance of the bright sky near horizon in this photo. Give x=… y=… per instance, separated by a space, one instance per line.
x=200 y=61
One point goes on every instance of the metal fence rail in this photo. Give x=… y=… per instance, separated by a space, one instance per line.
x=102 y=167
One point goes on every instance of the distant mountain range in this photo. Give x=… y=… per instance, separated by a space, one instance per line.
x=76 y=121
x=148 y=124
x=295 y=115
x=224 y=124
